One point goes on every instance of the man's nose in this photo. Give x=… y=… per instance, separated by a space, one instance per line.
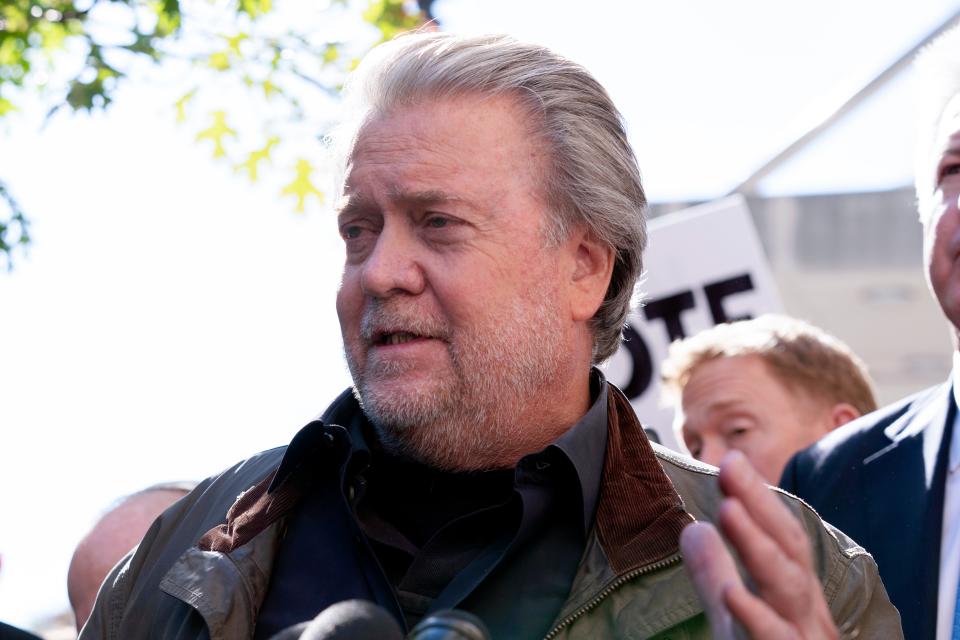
x=393 y=266
x=712 y=451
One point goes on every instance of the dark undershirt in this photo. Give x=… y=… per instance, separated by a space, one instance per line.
x=426 y=526
x=495 y=543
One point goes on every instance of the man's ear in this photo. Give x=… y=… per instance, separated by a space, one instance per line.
x=590 y=277
x=842 y=413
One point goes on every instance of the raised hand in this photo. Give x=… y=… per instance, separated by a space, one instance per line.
x=773 y=547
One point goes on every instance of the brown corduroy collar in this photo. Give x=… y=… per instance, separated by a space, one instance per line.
x=640 y=516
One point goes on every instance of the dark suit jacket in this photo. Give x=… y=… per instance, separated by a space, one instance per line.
x=880 y=479
x=13 y=633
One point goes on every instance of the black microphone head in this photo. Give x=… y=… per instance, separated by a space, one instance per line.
x=450 y=624
x=350 y=619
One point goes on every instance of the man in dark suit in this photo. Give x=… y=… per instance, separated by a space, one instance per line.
x=890 y=479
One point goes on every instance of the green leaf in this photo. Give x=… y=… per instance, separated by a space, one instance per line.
x=6 y=106
x=143 y=44
x=256 y=157
x=233 y=43
x=11 y=51
x=53 y=35
x=105 y=73
x=255 y=8
x=217 y=132
x=181 y=104
x=331 y=53
x=219 y=61
x=391 y=17
x=270 y=89
x=302 y=187
x=87 y=95
x=168 y=17
x=15 y=18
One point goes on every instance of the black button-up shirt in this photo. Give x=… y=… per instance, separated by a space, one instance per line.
x=502 y=544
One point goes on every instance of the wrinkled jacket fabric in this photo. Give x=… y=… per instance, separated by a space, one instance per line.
x=203 y=568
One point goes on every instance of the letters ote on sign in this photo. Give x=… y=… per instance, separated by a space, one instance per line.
x=704 y=266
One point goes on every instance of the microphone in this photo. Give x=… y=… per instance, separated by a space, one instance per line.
x=347 y=620
x=450 y=624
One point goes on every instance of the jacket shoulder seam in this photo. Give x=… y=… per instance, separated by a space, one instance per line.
x=683 y=462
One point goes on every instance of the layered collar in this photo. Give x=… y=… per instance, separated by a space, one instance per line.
x=639 y=515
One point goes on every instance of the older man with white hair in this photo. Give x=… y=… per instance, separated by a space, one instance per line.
x=492 y=215
x=892 y=478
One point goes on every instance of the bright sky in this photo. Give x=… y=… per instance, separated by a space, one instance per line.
x=171 y=319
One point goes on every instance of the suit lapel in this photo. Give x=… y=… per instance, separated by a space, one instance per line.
x=904 y=484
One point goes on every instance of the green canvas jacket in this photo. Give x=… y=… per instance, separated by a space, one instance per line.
x=203 y=568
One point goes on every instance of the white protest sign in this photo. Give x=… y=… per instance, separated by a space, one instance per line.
x=704 y=266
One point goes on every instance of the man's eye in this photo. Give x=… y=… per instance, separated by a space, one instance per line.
x=437 y=222
x=350 y=232
x=949 y=171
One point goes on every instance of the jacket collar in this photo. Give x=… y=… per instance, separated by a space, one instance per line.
x=925 y=408
x=926 y=420
x=320 y=447
x=909 y=471
x=639 y=515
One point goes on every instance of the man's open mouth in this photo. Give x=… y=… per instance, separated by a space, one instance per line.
x=395 y=337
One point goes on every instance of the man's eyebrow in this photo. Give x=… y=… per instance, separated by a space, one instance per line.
x=352 y=203
x=425 y=197
x=358 y=202
x=727 y=404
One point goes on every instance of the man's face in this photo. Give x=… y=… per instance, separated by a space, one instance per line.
x=941 y=220
x=737 y=403
x=452 y=309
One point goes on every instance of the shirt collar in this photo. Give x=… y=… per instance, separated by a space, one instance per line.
x=325 y=436
x=585 y=445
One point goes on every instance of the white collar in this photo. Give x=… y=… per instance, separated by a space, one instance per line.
x=954 y=461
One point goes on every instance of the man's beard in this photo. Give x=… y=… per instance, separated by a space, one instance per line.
x=469 y=419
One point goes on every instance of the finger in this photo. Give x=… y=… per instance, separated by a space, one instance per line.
x=756 y=617
x=712 y=570
x=739 y=480
x=785 y=583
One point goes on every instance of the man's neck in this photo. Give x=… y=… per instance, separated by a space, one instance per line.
x=548 y=417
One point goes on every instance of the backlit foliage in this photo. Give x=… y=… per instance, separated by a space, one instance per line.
x=263 y=74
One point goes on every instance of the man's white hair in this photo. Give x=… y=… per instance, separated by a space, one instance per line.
x=936 y=83
x=592 y=180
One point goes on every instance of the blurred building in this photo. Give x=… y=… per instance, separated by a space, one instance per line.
x=852 y=264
